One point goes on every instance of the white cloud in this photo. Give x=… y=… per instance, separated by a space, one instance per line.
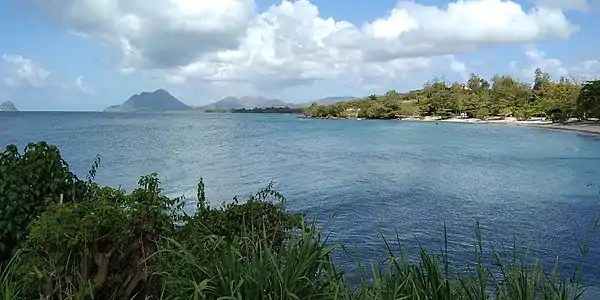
x=82 y=86
x=587 y=70
x=580 y=5
x=292 y=44
x=580 y=71
x=458 y=67
x=538 y=59
x=24 y=71
x=165 y=34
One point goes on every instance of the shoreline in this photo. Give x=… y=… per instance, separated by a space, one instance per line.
x=589 y=127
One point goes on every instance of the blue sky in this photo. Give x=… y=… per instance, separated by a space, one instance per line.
x=86 y=55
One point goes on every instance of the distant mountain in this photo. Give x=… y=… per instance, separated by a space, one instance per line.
x=159 y=100
x=245 y=102
x=8 y=106
x=332 y=100
x=229 y=103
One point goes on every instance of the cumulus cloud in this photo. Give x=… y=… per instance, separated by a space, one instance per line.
x=292 y=44
x=539 y=59
x=24 y=71
x=581 y=71
x=165 y=34
x=415 y=29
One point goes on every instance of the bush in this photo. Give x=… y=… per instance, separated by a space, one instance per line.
x=112 y=245
x=103 y=241
x=29 y=183
x=481 y=113
x=300 y=269
x=257 y=215
x=105 y=245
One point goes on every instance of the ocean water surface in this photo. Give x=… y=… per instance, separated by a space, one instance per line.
x=402 y=180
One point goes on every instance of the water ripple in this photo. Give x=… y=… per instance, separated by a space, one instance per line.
x=399 y=179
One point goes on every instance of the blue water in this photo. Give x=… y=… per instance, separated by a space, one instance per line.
x=401 y=179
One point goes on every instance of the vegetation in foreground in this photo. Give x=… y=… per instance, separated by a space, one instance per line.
x=502 y=96
x=67 y=238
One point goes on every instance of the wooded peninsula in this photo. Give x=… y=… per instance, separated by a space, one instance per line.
x=502 y=96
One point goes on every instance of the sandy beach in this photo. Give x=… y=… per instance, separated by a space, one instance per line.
x=591 y=127
x=584 y=126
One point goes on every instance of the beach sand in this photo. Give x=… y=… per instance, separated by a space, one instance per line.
x=592 y=127
x=583 y=126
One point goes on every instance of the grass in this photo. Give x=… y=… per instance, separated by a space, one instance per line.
x=302 y=269
x=240 y=252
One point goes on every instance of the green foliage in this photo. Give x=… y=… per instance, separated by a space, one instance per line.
x=502 y=96
x=301 y=269
x=589 y=99
x=11 y=287
x=110 y=244
x=236 y=222
x=103 y=241
x=29 y=183
x=481 y=113
x=105 y=244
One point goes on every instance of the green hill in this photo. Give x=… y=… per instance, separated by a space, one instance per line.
x=157 y=101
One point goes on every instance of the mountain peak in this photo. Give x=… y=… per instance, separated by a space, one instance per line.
x=159 y=100
x=232 y=102
x=161 y=91
x=8 y=106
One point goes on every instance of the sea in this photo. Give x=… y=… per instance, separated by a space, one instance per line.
x=362 y=180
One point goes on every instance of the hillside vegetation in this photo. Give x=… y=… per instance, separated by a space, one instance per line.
x=62 y=237
x=502 y=96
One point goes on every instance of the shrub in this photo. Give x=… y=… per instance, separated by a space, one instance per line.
x=29 y=183
x=102 y=242
x=300 y=269
x=105 y=244
x=482 y=113
x=112 y=245
x=256 y=216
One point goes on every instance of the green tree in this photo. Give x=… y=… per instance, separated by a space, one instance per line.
x=501 y=96
x=541 y=80
x=29 y=183
x=476 y=83
x=589 y=100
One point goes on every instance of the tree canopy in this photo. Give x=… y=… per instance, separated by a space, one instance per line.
x=503 y=96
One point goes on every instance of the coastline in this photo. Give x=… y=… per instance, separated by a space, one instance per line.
x=589 y=127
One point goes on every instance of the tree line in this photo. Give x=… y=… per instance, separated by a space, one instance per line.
x=502 y=96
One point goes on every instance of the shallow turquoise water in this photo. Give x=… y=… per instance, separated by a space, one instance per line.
x=397 y=178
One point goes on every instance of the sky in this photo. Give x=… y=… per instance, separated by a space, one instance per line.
x=85 y=55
